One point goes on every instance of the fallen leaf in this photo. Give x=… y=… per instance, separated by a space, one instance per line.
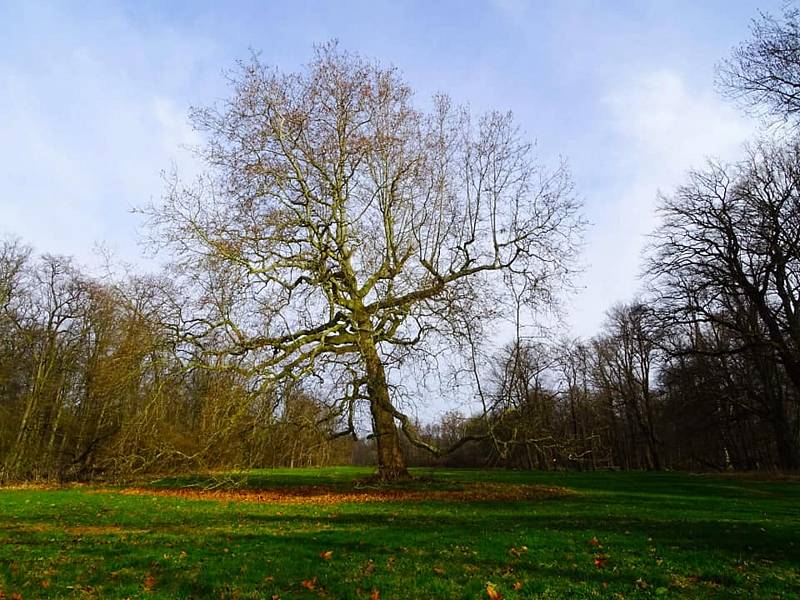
x=439 y=570
x=276 y=597
x=492 y=592
x=149 y=582
x=600 y=561
x=309 y=584
x=594 y=542
x=327 y=554
x=517 y=586
x=375 y=595
x=642 y=584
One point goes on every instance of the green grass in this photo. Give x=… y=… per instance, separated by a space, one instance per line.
x=664 y=536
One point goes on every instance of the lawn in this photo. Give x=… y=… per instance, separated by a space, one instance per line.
x=311 y=533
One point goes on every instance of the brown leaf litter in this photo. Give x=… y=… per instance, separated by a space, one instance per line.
x=327 y=495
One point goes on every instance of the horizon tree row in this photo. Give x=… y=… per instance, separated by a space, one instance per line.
x=93 y=383
x=644 y=393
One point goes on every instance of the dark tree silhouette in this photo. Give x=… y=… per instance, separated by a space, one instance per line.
x=728 y=252
x=763 y=73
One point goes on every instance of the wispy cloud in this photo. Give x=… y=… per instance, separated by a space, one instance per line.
x=660 y=127
x=86 y=130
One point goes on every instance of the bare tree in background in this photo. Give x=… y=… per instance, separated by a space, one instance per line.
x=728 y=252
x=764 y=72
x=624 y=371
x=341 y=230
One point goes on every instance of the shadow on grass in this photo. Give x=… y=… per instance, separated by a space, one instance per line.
x=248 y=560
x=703 y=530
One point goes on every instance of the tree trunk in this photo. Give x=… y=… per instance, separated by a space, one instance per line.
x=391 y=460
x=788 y=454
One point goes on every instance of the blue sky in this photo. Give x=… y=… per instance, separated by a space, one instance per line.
x=94 y=97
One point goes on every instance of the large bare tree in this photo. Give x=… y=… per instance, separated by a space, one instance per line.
x=341 y=230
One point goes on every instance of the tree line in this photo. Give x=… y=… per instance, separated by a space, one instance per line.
x=639 y=395
x=344 y=241
x=93 y=383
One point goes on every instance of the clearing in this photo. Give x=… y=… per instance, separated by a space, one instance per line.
x=318 y=533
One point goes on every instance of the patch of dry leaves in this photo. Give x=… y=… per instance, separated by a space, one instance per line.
x=77 y=530
x=325 y=495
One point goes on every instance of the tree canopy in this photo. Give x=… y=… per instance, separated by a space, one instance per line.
x=341 y=229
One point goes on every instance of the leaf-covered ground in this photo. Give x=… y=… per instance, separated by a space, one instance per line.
x=313 y=533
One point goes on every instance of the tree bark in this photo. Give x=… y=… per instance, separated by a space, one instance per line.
x=391 y=459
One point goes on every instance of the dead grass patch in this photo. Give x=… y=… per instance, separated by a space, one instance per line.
x=40 y=486
x=76 y=530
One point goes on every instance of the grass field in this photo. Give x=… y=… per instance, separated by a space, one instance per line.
x=454 y=534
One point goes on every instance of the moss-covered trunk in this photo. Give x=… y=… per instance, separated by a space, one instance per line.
x=391 y=460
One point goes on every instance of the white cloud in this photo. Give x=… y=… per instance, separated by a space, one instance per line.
x=86 y=131
x=667 y=122
x=659 y=128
